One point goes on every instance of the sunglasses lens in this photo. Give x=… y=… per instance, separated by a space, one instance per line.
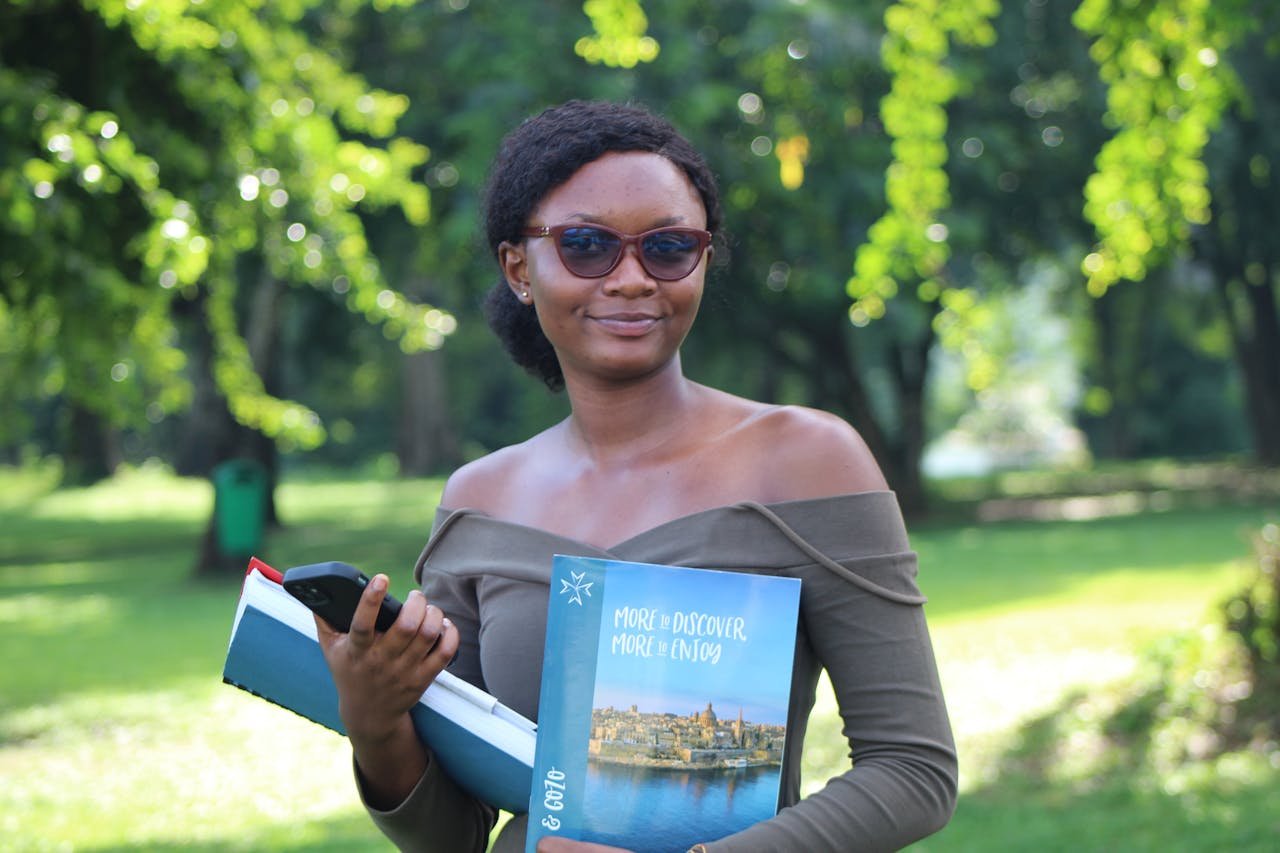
x=667 y=254
x=671 y=254
x=588 y=252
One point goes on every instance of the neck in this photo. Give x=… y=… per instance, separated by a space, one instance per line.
x=617 y=423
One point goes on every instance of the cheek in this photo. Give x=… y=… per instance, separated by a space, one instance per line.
x=692 y=299
x=555 y=310
x=554 y=300
x=696 y=300
x=543 y=262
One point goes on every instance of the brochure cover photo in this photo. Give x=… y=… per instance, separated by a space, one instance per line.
x=663 y=710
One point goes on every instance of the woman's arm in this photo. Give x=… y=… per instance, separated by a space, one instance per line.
x=878 y=654
x=380 y=677
x=902 y=782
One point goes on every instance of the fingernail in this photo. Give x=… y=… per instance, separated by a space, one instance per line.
x=379 y=583
x=446 y=623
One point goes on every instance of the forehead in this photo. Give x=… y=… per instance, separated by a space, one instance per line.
x=626 y=188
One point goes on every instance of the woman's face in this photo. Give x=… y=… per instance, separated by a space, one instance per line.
x=626 y=324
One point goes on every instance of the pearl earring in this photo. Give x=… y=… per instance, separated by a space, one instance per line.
x=524 y=294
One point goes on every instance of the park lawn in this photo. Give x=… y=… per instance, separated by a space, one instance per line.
x=1025 y=615
x=116 y=733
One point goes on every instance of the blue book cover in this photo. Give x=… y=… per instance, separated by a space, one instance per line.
x=663 y=710
x=484 y=746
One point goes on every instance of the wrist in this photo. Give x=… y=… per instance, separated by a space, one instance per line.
x=379 y=734
x=390 y=765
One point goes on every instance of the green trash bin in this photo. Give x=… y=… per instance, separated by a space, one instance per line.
x=239 y=504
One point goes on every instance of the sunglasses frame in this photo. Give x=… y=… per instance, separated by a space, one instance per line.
x=557 y=231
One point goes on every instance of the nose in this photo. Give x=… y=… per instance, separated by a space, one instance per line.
x=629 y=278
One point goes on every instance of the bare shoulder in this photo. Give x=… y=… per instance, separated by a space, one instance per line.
x=471 y=485
x=487 y=483
x=808 y=453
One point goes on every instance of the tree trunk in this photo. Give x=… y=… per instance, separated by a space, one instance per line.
x=1114 y=441
x=838 y=388
x=1123 y=344
x=263 y=338
x=91 y=448
x=909 y=365
x=837 y=383
x=222 y=439
x=1239 y=245
x=206 y=427
x=426 y=442
x=1251 y=314
x=1264 y=391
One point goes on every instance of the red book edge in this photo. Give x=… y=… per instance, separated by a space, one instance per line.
x=266 y=571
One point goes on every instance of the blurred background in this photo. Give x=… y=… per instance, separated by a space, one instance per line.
x=1027 y=248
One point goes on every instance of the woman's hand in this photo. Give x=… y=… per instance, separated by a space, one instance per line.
x=379 y=678
x=553 y=844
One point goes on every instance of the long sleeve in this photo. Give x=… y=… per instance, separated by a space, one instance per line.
x=877 y=652
x=438 y=815
x=861 y=619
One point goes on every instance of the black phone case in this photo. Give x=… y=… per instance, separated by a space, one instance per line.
x=332 y=590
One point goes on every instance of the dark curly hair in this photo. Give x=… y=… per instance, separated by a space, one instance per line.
x=540 y=155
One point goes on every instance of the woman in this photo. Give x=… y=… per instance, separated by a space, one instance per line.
x=600 y=217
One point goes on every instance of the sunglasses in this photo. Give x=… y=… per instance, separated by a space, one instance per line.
x=593 y=251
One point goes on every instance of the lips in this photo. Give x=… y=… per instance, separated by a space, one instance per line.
x=626 y=323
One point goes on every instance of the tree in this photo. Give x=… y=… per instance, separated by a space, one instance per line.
x=251 y=145
x=775 y=94
x=885 y=168
x=250 y=152
x=1237 y=245
x=1173 y=178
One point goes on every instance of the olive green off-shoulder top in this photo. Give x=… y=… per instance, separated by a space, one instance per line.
x=861 y=620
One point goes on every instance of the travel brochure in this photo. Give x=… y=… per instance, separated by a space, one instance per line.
x=663 y=712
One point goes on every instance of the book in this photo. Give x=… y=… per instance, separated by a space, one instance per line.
x=663 y=709
x=274 y=653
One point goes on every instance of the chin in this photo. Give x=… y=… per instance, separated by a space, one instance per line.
x=624 y=369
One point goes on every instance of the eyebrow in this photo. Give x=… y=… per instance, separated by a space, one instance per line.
x=592 y=219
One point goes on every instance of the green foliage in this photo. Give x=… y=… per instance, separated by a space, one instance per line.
x=783 y=100
x=253 y=141
x=944 y=146
x=908 y=245
x=1021 y=133
x=619 y=39
x=1254 y=614
x=65 y=175
x=1168 y=85
x=1187 y=735
x=1184 y=693
x=1160 y=389
x=1186 y=709
x=1009 y=348
x=1179 y=740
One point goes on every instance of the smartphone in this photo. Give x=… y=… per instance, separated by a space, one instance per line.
x=332 y=591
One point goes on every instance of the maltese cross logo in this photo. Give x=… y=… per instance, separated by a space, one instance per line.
x=577 y=589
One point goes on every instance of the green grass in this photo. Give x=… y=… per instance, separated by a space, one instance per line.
x=115 y=730
x=116 y=733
